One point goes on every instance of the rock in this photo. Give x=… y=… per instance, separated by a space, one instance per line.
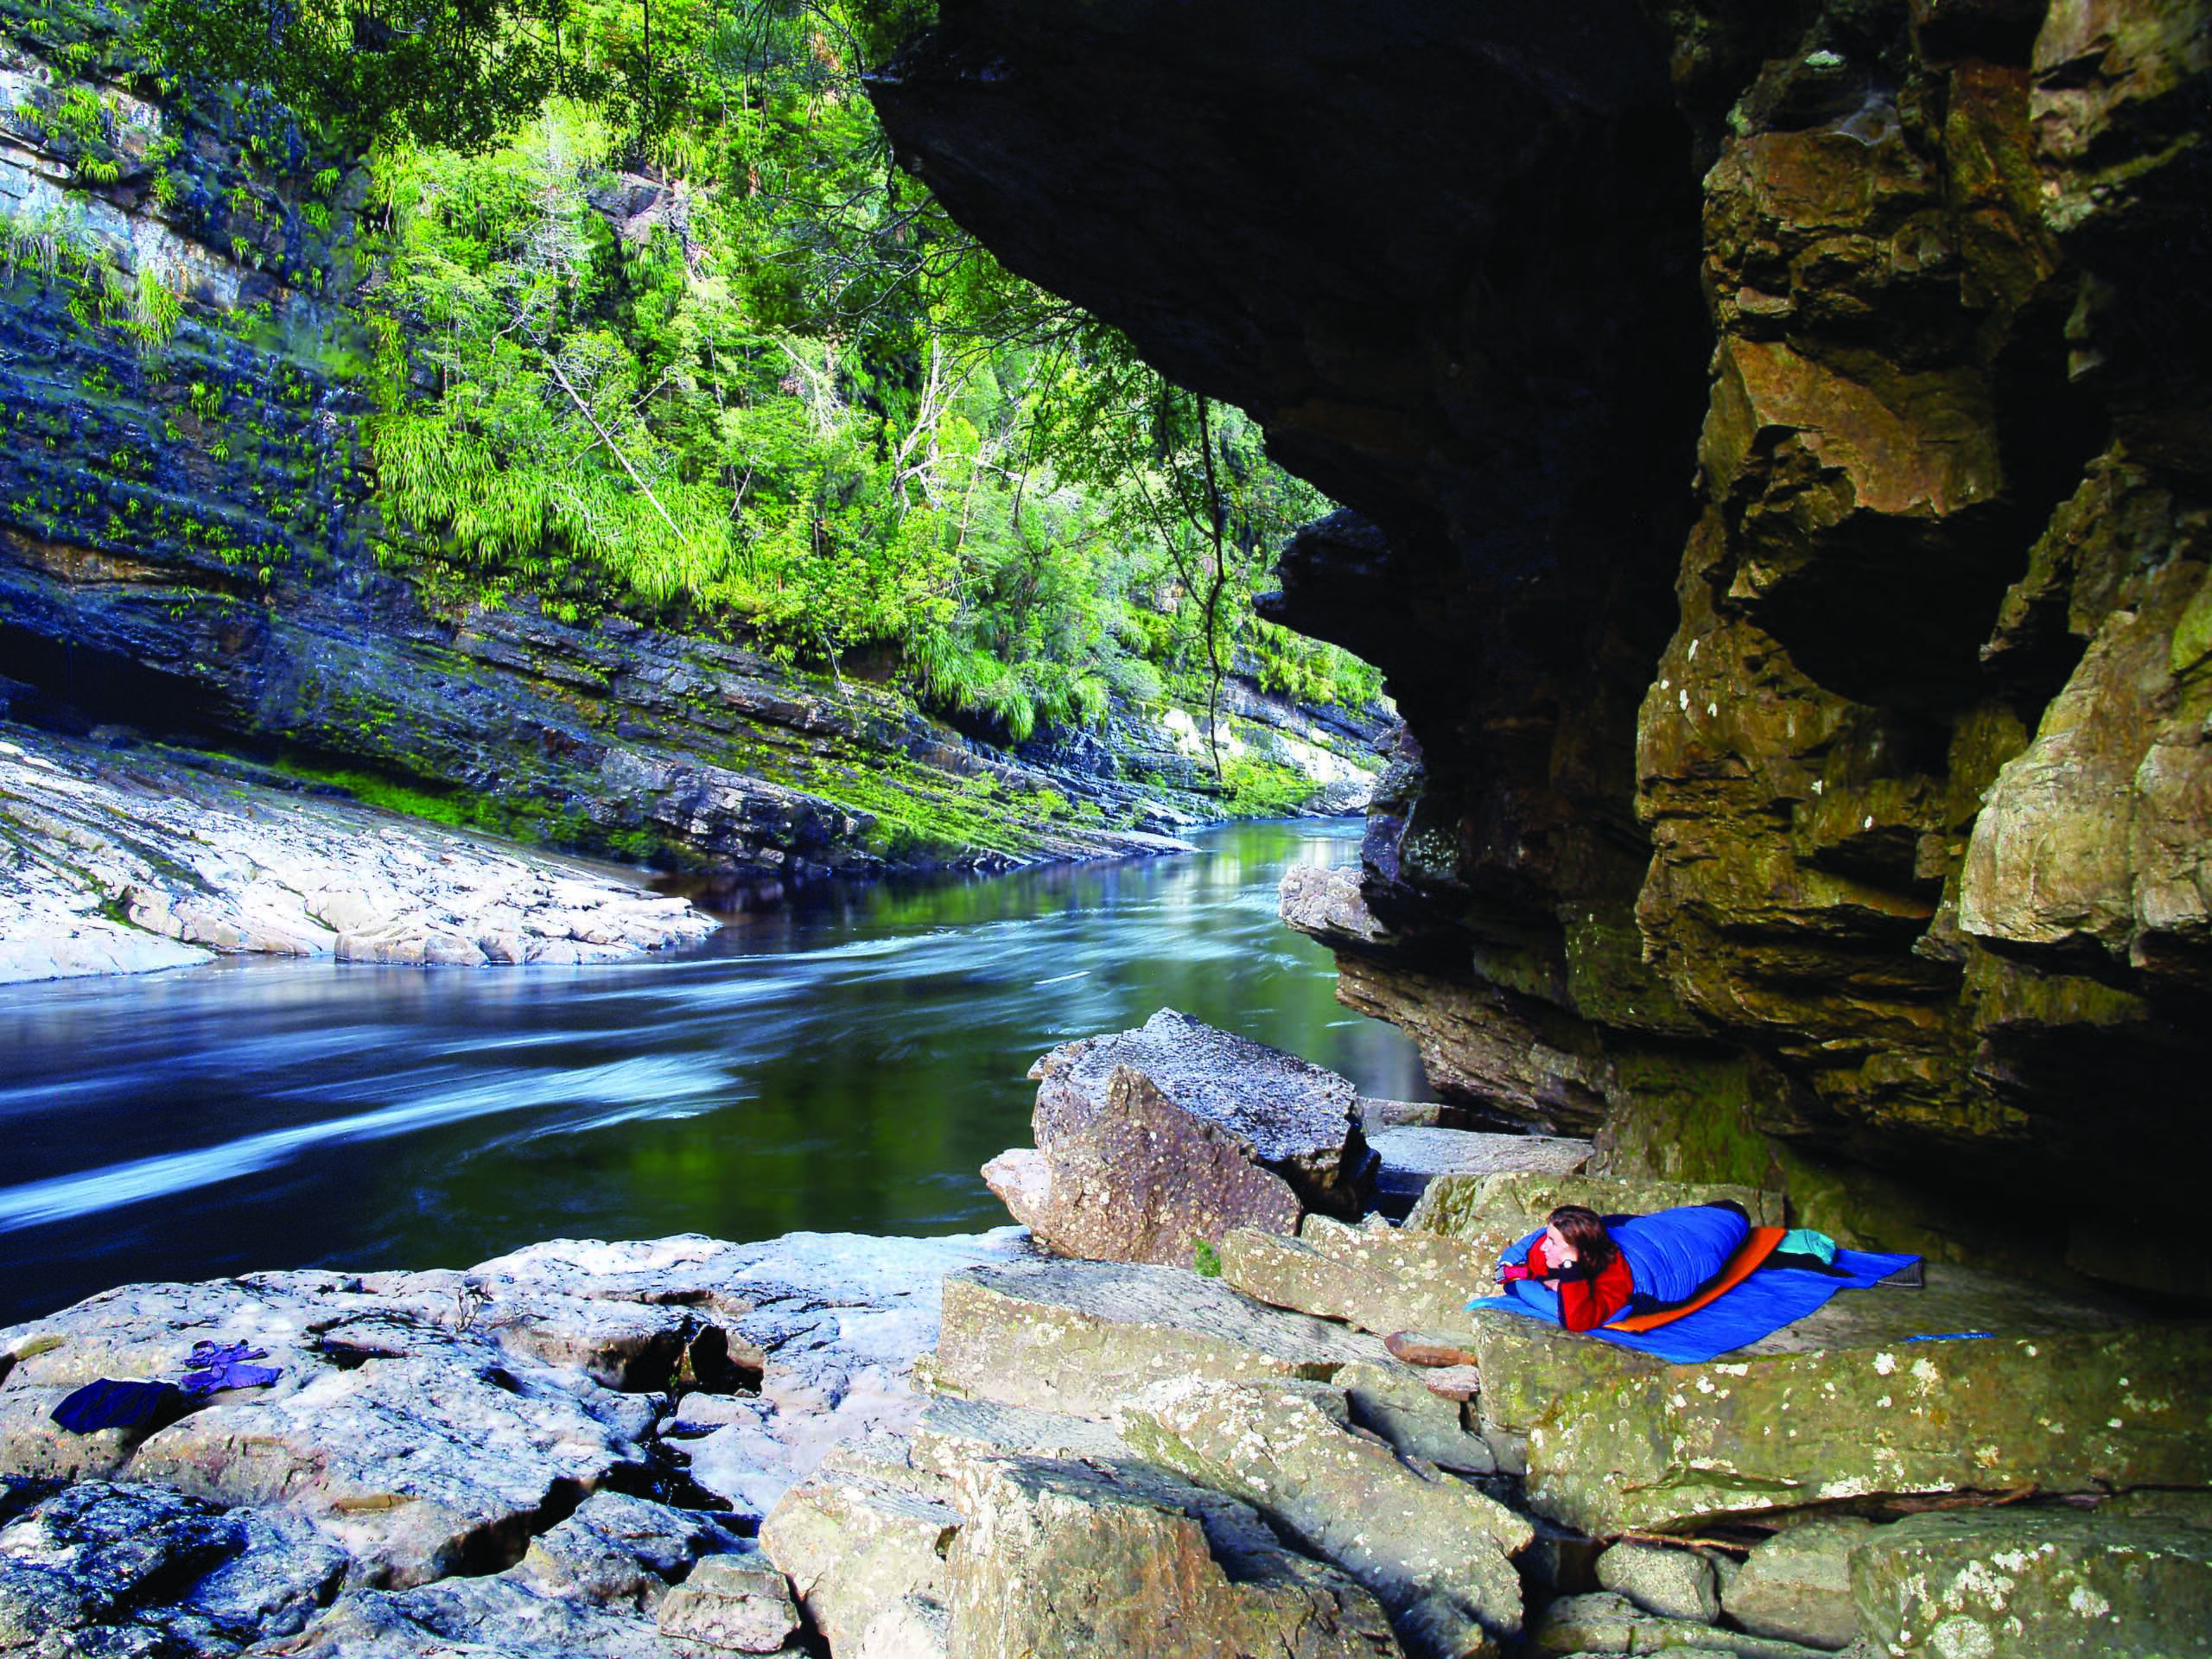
x=1376 y=1277
x=1296 y=1120
x=1671 y=1583
x=1430 y=1347
x=1433 y=1549
x=1689 y=1443
x=735 y=1601
x=1081 y=1338
x=1460 y=1382
x=88 y=1557
x=1528 y=1368
x=1797 y=1585
x=1061 y=1557
x=1880 y=215
x=1604 y=1622
x=1488 y=1213
x=857 y=1536
x=826 y=1326
x=2033 y=1584
x=285 y=1573
x=616 y=1549
x=419 y=1448
x=1327 y=905
x=913 y=1627
x=503 y=1616
x=954 y=1434
x=1413 y=1157
x=1418 y=1420
x=1140 y=1180
x=196 y=865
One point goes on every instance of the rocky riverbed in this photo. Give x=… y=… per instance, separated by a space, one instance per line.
x=970 y=1446
x=123 y=860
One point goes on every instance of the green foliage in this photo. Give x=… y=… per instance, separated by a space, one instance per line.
x=138 y=305
x=1263 y=789
x=657 y=326
x=1205 y=1259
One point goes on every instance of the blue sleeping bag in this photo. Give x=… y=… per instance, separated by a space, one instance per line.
x=1671 y=1253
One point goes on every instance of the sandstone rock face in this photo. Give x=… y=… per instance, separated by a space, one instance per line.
x=1063 y=1558
x=1686 y=1444
x=1797 y=1585
x=1851 y=801
x=1672 y=1583
x=1295 y=1119
x=1434 y=1550
x=1080 y=1337
x=2034 y=1585
x=1377 y=1278
x=1486 y=1213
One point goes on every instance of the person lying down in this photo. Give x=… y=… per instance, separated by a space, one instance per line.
x=1687 y=1284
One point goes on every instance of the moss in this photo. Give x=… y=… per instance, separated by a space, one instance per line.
x=1682 y=1117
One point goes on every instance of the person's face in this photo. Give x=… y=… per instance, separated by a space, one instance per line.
x=1557 y=1248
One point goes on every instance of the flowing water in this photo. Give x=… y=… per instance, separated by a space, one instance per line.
x=845 y=1061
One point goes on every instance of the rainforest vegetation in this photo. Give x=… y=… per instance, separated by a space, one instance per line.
x=659 y=324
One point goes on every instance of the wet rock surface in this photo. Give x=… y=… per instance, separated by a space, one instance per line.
x=445 y=1458
x=127 y=862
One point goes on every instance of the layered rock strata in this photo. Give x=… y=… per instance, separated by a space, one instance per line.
x=1776 y=447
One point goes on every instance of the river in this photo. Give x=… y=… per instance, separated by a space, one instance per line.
x=846 y=1061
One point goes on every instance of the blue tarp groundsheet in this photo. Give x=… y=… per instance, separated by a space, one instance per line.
x=1762 y=1305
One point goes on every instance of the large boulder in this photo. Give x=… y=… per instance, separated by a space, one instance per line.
x=863 y=1531
x=2035 y=1585
x=1690 y=1444
x=1376 y=1276
x=1148 y=1140
x=1797 y=1585
x=1433 y=1549
x=1082 y=1337
x=1062 y=1557
x=1141 y=1180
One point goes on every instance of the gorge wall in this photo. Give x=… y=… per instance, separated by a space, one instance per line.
x=1776 y=447
x=191 y=549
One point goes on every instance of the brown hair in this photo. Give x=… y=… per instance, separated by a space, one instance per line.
x=1580 y=1227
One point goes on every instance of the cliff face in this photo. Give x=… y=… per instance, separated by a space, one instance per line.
x=188 y=545
x=1794 y=583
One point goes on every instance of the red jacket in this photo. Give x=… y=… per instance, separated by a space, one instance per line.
x=1587 y=1301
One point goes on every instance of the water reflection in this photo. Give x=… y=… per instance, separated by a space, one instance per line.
x=847 y=1060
